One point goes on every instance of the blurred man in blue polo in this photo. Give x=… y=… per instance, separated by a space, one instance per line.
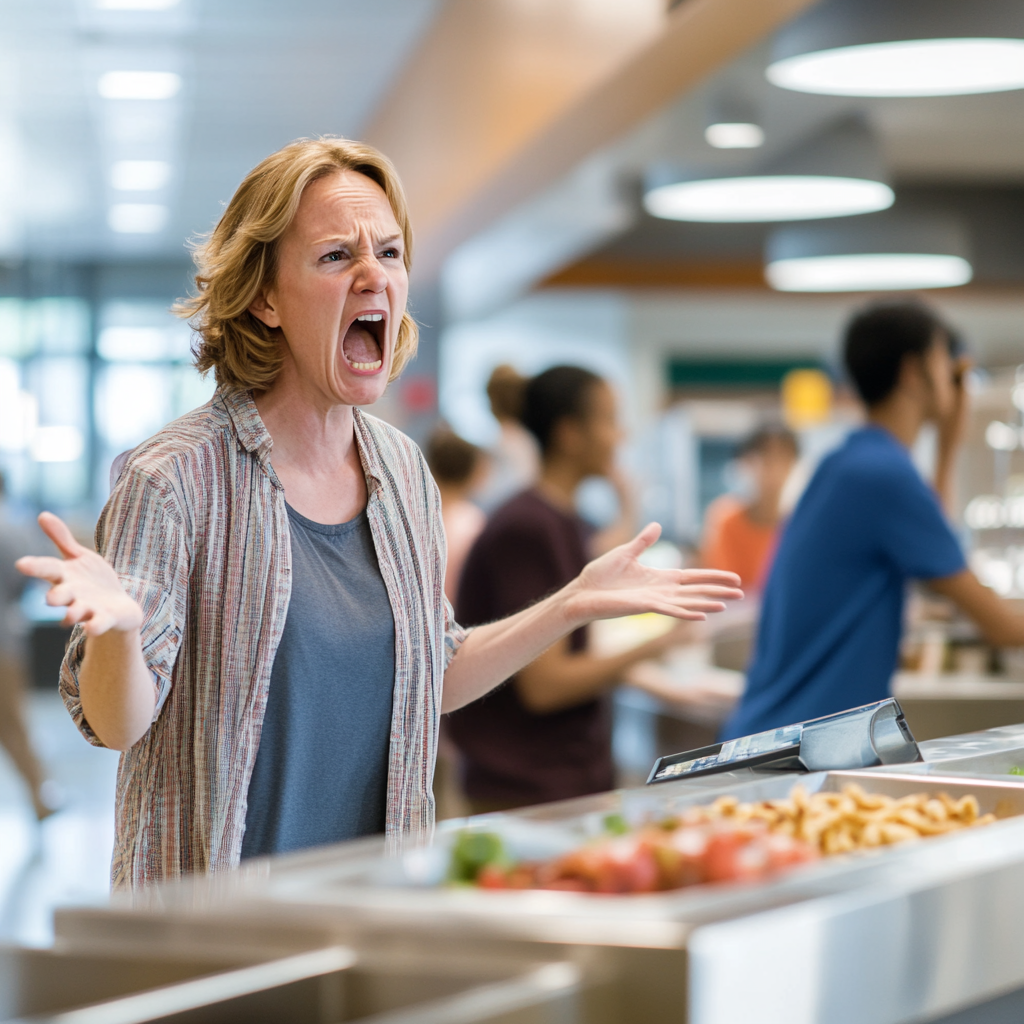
x=866 y=525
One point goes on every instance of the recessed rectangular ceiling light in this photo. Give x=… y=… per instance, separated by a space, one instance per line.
x=135 y=5
x=139 y=85
x=139 y=175
x=137 y=218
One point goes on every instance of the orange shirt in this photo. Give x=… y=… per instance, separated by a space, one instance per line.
x=732 y=541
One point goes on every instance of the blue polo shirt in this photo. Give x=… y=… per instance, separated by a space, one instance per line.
x=833 y=607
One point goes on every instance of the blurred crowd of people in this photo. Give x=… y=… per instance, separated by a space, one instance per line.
x=515 y=535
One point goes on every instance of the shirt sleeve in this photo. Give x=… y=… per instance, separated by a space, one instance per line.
x=915 y=533
x=141 y=534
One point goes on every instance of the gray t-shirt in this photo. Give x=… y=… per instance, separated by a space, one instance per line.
x=322 y=767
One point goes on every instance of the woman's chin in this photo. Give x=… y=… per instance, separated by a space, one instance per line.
x=353 y=388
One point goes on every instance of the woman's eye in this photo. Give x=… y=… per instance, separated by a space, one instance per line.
x=390 y=254
x=333 y=257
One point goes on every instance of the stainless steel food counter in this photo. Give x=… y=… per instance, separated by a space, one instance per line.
x=910 y=933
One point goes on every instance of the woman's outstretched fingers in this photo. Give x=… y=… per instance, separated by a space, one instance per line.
x=644 y=539
x=57 y=530
x=42 y=567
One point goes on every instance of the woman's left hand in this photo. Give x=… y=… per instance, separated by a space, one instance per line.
x=618 y=583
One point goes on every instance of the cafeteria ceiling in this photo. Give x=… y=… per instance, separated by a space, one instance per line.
x=255 y=74
x=514 y=191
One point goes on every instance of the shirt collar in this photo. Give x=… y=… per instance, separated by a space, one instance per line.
x=255 y=438
x=252 y=433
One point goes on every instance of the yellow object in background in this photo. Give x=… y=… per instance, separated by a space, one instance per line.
x=806 y=398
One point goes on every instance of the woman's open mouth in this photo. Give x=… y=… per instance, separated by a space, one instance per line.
x=364 y=341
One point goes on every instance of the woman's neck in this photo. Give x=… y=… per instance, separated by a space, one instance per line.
x=315 y=455
x=309 y=433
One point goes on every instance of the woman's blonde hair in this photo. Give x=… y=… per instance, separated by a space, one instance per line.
x=238 y=259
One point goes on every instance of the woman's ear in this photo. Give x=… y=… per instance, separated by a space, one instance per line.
x=262 y=307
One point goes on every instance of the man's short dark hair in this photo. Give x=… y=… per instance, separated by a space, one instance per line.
x=880 y=337
x=556 y=394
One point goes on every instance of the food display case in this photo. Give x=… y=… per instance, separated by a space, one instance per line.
x=923 y=931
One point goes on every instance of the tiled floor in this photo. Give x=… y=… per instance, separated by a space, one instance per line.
x=67 y=858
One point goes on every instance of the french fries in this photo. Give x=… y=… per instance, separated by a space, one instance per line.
x=854 y=820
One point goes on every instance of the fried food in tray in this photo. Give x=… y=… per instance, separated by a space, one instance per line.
x=726 y=841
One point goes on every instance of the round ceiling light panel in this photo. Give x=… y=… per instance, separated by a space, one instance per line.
x=882 y=252
x=772 y=197
x=868 y=272
x=915 y=67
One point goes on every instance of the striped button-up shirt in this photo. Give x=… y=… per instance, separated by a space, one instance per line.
x=197 y=530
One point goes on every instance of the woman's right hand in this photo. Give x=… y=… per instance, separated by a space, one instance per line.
x=83 y=582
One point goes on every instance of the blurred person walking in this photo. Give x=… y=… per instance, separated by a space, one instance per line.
x=14 y=736
x=740 y=532
x=546 y=734
x=513 y=459
x=866 y=524
x=457 y=467
x=263 y=629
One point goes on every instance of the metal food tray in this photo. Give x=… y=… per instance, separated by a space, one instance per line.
x=659 y=955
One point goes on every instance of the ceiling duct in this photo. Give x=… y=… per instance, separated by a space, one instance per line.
x=837 y=173
x=902 y=48
x=883 y=252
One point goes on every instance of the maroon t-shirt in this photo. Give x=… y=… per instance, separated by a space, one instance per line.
x=528 y=549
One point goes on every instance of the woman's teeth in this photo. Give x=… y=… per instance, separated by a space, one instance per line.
x=371 y=317
x=375 y=365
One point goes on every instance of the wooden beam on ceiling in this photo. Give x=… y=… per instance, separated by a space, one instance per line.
x=504 y=97
x=598 y=272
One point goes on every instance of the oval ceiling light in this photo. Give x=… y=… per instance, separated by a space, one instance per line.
x=734 y=135
x=909 y=48
x=767 y=198
x=868 y=272
x=884 y=253
x=923 y=67
x=836 y=173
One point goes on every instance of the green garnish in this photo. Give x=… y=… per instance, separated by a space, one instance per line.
x=1016 y=770
x=473 y=851
x=615 y=825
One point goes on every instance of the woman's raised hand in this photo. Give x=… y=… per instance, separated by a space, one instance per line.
x=83 y=582
x=619 y=584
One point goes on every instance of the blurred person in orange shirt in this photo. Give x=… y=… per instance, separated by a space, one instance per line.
x=740 y=531
x=458 y=468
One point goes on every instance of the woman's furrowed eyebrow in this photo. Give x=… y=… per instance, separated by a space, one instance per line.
x=352 y=240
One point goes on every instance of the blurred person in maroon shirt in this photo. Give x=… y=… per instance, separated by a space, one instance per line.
x=546 y=733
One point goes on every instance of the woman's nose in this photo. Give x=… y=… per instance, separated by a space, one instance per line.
x=370 y=276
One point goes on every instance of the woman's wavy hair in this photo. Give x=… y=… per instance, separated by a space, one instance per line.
x=238 y=259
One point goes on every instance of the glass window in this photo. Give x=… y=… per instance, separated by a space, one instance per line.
x=14 y=339
x=57 y=326
x=142 y=332
x=132 y=402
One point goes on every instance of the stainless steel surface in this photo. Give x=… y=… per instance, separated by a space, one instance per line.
x=993 y=752
x=325 y=986
x=670 y=956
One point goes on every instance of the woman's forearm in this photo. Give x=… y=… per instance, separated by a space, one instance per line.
x=611 y=586
x=492 y=653
x=117 y=690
